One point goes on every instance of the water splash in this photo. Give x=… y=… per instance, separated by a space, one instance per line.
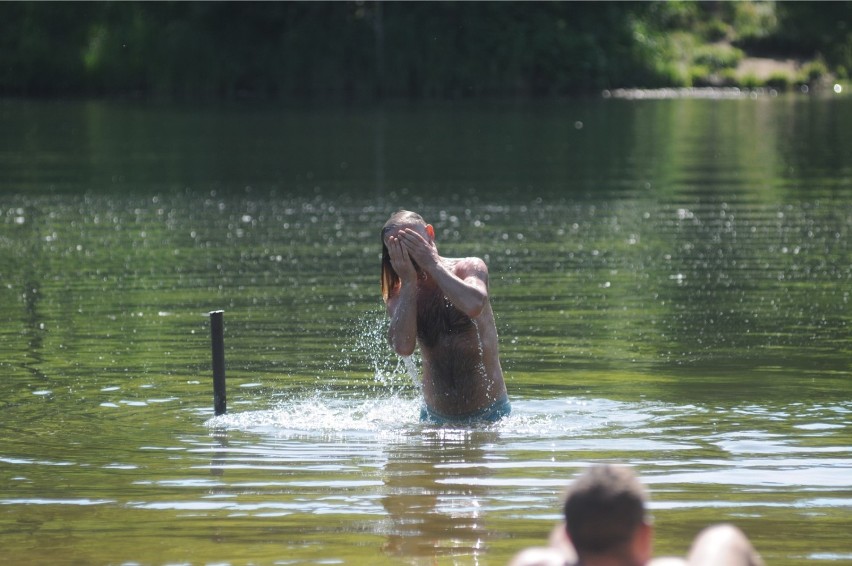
x=394 y=414
x=323 y=412
x=370 y=342
x=412 y=371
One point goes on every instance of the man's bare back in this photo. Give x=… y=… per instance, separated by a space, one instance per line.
x=442 y=305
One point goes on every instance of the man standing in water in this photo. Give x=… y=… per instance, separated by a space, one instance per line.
x=442 y=304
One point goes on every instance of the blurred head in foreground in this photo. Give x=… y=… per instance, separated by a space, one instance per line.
x=605 y=516
x=606 y=524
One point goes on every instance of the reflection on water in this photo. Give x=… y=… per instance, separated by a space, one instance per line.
x=671 y=287
x=434 y=480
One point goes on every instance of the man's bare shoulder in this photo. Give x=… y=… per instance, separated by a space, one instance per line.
x=464 y=267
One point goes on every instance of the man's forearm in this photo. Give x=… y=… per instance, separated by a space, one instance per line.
x=402 y=334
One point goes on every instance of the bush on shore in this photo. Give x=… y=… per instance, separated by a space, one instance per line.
x=361 y=50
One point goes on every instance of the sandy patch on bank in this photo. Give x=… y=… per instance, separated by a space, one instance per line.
x=762 y=68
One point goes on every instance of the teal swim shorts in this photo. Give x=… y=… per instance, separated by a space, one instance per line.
x=492 y=413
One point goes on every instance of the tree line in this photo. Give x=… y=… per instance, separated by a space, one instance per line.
x=365 y=50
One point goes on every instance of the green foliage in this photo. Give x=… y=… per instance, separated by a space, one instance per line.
x=813 y=71
x=715 y=30
x=361 y=50
x=750 y=81
x=672 y=75
x=778 y=81
x=729 y=77
x=700 y=76
x=819 y=28
x=754 y=20
x=718 y=57
x=340 y=49
x=37 y=45
x=674 y=15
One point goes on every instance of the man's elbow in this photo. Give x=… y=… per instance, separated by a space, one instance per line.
x=402 y=347
x=474 y=308
x=404 y=350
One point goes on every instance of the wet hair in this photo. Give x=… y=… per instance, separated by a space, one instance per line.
x=398 y=219
x=603 y=509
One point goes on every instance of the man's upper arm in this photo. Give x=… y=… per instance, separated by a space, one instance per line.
x=473 y=271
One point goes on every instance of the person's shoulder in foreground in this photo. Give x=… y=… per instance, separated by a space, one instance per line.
x=606 y=523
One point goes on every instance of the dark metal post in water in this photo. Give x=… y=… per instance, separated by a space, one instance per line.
x=217 y=334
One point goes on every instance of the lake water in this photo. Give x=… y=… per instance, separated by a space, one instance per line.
x=671 y=280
